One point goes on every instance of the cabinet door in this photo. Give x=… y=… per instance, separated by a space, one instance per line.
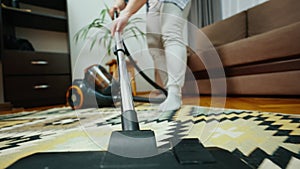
x=35 y=63
x=36 y=89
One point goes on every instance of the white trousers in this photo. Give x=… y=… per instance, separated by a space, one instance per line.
x=165 y=38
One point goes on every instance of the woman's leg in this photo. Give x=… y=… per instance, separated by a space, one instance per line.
x=173 y=20
x=154 y=41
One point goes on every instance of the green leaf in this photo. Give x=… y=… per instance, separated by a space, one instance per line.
x=134 y=34
x=135 y=28
x=109 y=46
x=93 y=42
x=135 y=21
x=81 y=34
x=102 y=15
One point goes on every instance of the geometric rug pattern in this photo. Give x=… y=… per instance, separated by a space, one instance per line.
x=260 y=139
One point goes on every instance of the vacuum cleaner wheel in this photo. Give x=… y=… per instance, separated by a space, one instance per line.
x=75 y=97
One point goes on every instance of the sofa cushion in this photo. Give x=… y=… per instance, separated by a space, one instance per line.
x=271 y=15
x=279 y=83
x=278 y=43
x=228 y=30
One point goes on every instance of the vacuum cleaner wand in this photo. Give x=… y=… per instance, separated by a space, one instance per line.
x=129 y=116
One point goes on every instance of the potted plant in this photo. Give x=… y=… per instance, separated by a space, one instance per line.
x=104 y=36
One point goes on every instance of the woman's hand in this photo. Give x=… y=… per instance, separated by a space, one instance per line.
x=132 y=7
x=113 y=10
x=119 y=6
x=119 y=24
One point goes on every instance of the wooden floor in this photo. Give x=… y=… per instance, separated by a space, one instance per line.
x=279 y=105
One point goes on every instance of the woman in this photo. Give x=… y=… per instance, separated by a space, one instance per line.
x=165 y=23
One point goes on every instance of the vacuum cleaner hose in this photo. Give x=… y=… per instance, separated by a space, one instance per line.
x=155 y=85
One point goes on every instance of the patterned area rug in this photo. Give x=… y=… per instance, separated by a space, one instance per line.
x=261 y=139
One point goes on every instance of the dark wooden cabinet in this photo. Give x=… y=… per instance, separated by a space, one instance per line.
x=35 y=20
x=34 y=78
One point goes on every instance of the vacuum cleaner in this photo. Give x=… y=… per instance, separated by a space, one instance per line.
x=132 y=148
x=98 y=86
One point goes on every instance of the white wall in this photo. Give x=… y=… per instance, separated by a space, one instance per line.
x=80 y=14
x=231 y=7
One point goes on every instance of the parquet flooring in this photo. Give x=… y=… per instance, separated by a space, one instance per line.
x=280 y=105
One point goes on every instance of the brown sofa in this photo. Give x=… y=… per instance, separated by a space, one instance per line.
x=259 y=49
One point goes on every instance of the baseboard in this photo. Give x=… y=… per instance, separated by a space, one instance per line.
x=6 y=106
